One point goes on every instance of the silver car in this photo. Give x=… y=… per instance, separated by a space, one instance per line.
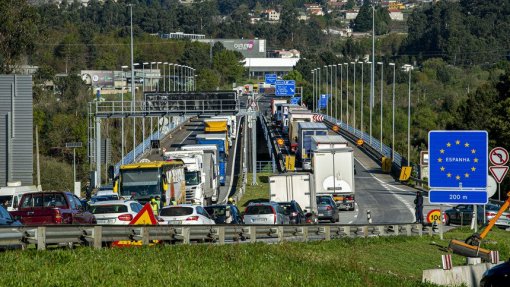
x=119 y=212
x=265 y=213
x=326 y=207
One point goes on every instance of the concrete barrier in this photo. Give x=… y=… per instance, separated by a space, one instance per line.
x=469 y=275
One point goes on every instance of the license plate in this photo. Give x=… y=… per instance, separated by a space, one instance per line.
x=260 y=219
x=173 y=222
x=106 y=221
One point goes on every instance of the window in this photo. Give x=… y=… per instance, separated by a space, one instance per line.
x=4 y=214
x=258 y=209
x=136 y=207
x=77 y=202
x=72 y=204
x=32 y=200
x=176 y=211
x=105 y=209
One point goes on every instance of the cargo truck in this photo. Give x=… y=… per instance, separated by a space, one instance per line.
x=296 y=117
x=231 y=125
x=199 y=189
x=221 y=142
x=218 y=126
x=211 y=166
x=304 y=137
x=274 y=102
x=328 y=142
x=294 y=186
x=333 y=173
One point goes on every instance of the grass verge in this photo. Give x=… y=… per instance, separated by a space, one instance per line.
x=254 y=193
x=386 y=261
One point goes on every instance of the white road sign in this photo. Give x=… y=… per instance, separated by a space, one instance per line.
x=498 y=156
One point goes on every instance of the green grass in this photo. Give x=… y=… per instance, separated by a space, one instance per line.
x=254 y=193
x=388 y=261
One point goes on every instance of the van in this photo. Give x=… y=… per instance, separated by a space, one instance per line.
x=12 y=193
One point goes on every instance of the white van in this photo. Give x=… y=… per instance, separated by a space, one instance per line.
x=11 y=194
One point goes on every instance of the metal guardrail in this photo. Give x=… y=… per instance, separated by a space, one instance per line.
x=270 y=137
x=98 y=236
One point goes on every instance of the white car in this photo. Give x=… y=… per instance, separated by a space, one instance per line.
x=185 y=214
x=118 y=212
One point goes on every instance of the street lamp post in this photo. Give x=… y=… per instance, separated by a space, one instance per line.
x=143 y=75
x=361 y=105
x=157 y=68
x=319 y=80
x=371 y=102
x=331 y=91
x=164 y=76
x=341 y=92
x=381 y=119
x=326 y=80
x=313 y=89
x=124 y=79
x=409 y=68
x=347 y=94
x=393 y=116
x=354 y=97
x=336 y=91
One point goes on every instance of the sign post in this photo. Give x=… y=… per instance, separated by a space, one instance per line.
x=499 y=157
x=76 y=185
x=458 y=167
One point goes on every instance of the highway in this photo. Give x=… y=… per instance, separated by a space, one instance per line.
x=186 y=136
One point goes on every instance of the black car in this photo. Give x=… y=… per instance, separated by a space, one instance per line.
x=224 y=213
x=497 y=276
x=293 y=211
x=6 y=218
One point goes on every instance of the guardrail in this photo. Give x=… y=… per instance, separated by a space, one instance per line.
x=98 y=236
x=270 y=137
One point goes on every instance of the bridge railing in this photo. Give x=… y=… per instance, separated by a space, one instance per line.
x=98 y=236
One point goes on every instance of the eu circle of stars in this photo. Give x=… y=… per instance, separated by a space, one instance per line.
x=458 y=159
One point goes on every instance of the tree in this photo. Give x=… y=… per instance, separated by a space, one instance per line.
x=227 y=64
x=18 y=31
x=207 y=80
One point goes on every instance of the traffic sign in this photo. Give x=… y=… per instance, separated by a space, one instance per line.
x=444 y=196
x=434 y=216
x=336 y=128
x=317 y=118
x=74 y=144
x=458 y=159
x=499 y=172
x=492 y=186
x=498 y=156
x=360 y=142
x=270 y=79
x=405 y=173
x=285 y=87
x=144 y=217
x=323 y=101
x=295 y=100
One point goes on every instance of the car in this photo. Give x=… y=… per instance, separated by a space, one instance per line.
x=265 y=213
x=497 y=276
x=185 y=214
x=293 y=211
x=462 y=214
x=104 y=197
x=327 y=209
x=224 y=213
x=6 y=219
x=118 y=212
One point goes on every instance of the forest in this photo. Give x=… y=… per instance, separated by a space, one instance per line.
x=459 y=50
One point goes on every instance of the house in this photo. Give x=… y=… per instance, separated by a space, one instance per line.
x=302 y=16
x=258 y=67
x=396 y=15
x=393 y=5
x=293 y=53
x=314 y=9
x=254 y=20
x=336 y=5
x=272 y=15
x=351 y=14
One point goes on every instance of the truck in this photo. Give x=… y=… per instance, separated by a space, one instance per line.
x=143 y=180
x=274 y=102
x=296 y=117
x=211 y=166
x=294 y=186
x=282 y=113
x=52 y=207
x=304 y=138
x=328 y=142
x=218 y=126
x=199 y=184
x=333 y=174
x=221 y=142
x=231 y=125
x=11 y=194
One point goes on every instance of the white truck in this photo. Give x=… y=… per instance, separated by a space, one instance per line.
x=10 y=195
x=328 y=142
x=333 y=173
x=210 y=167
x=294 y=186
x=196 y=185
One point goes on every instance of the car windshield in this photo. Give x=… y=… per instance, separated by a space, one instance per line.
x=287 y=208
x=192 y=177
x=216 y=211
x=258 y=209
x=104 y=209
x=140 y=182
x=104 y=197
x=324 y=200
x=176 y=211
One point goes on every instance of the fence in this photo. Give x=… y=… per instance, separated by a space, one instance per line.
x=98 y=236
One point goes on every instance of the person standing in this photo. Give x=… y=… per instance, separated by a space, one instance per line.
x=154 y=206
x=418 y=201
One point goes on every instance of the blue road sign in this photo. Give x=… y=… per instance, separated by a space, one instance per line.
x=270 y=79
x=458 y=196
x=458 y=159
x=295 y=100
x=323 y=101
x=285 y=88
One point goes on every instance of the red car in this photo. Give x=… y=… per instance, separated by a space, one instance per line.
x=44 y=208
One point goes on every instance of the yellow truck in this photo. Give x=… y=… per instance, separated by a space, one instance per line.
x=143 y=180
x=215 y=125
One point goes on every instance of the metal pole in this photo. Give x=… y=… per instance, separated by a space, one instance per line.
x=98 y=151
x=347 y=94
x=382 y=76
x=254 y=148
x=341 y=92
x=331 y=91
x=409 y=122
x=313 y=90
x=372 y=88
x=393 y=116
x=38 y=167
x=336 y=91
x=354 y=98
x=74 y=165
x=361 y=106
x=319 y=94
x=327 y=89
x=174 y=75
x=133 y=90
x=370 y=106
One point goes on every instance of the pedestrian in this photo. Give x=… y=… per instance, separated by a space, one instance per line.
x=158 y=201
x=154 y=206
x=418 y=201
x=231 y=201
x=172 y=201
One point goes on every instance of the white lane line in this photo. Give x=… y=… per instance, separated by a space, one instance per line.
x=387 y=187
